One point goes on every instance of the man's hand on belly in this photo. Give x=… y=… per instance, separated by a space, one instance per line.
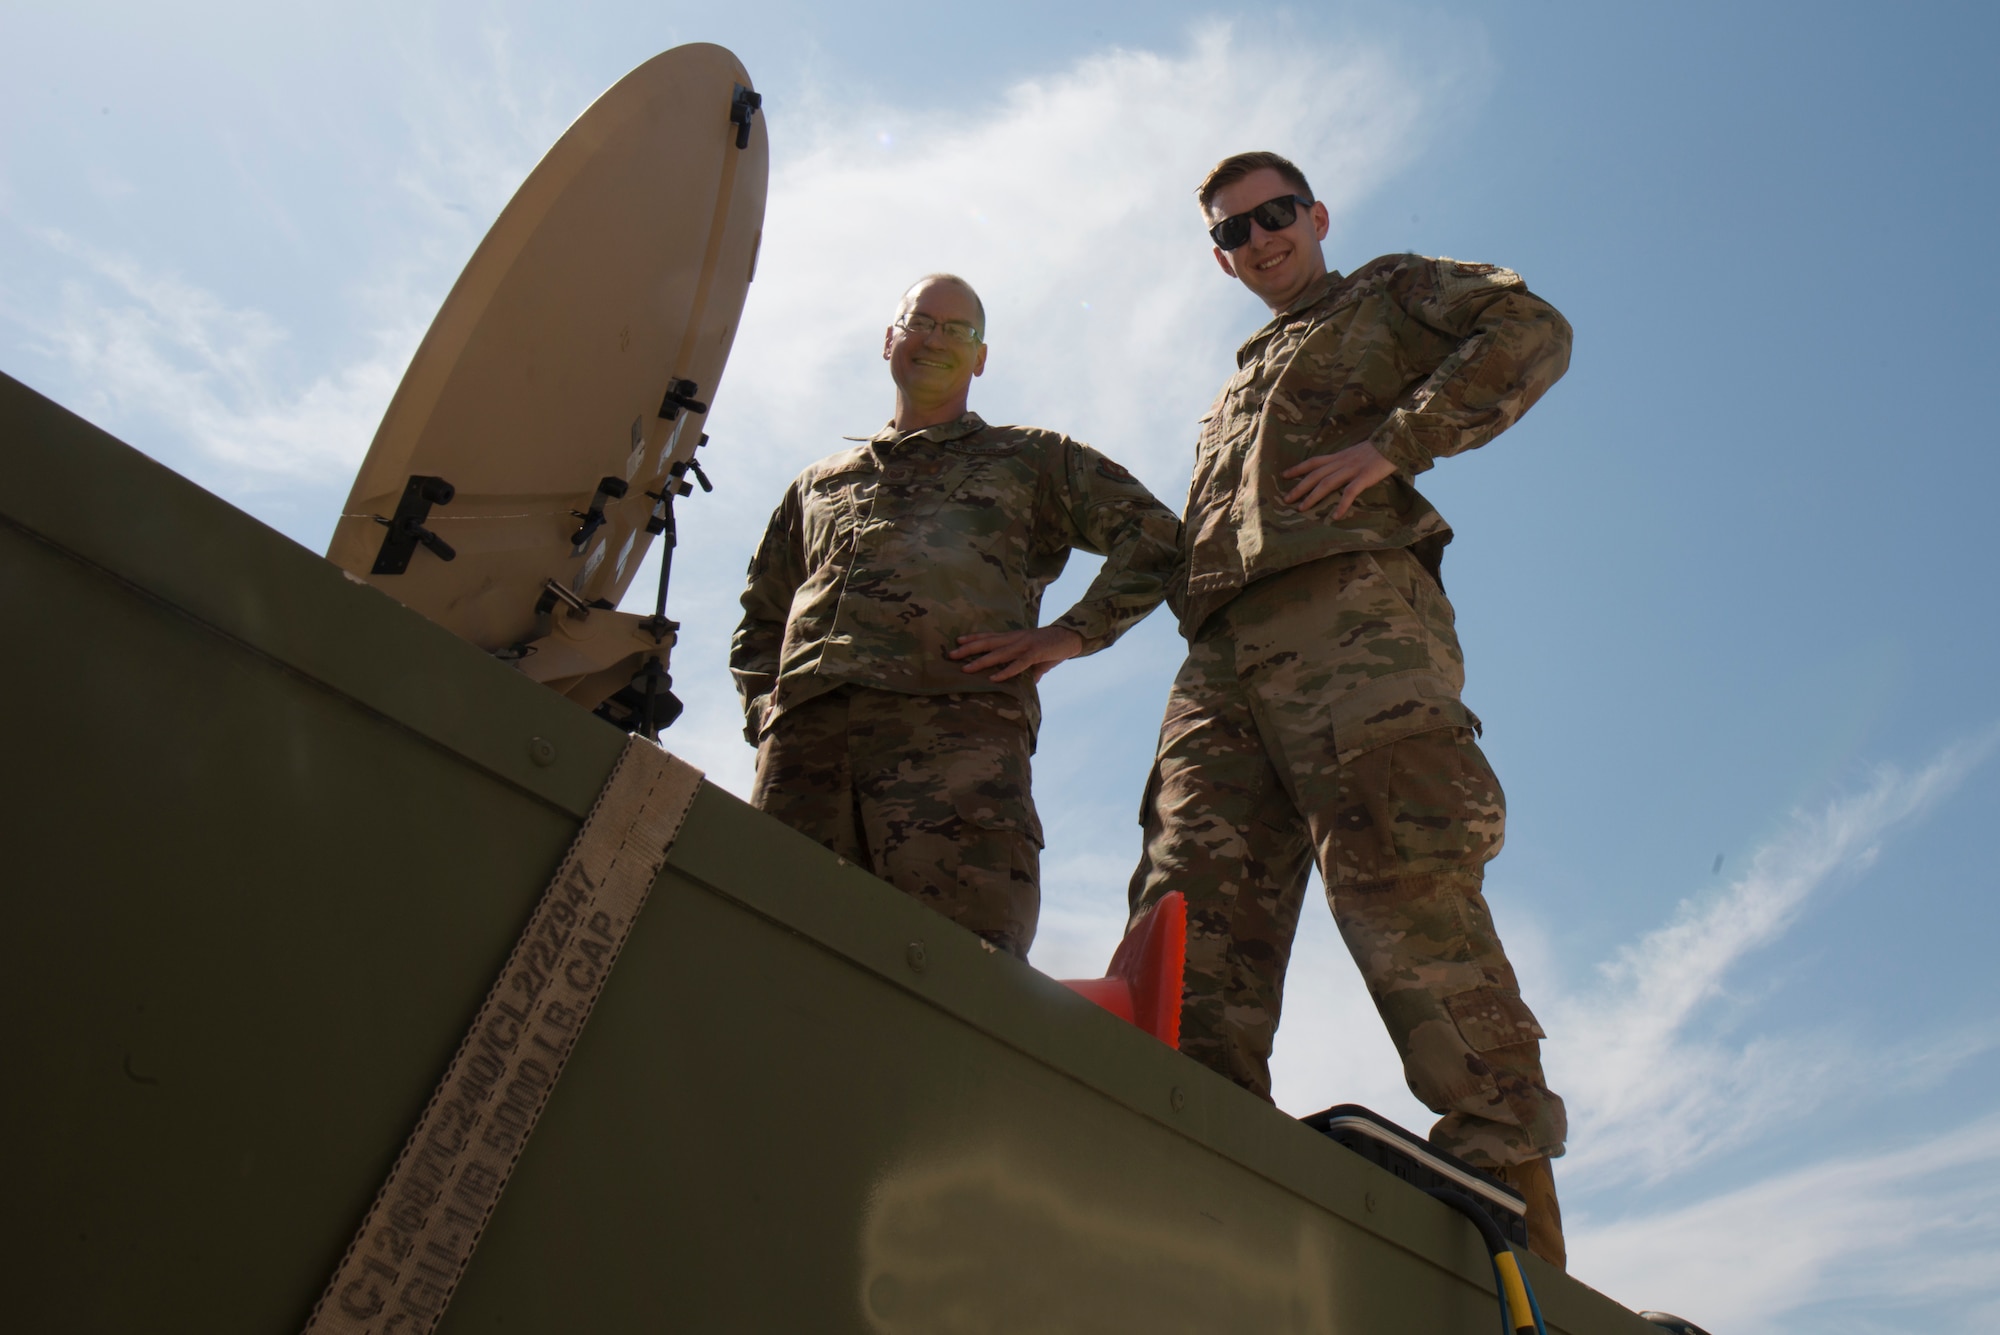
x=1008 y=653
x=1350 y=471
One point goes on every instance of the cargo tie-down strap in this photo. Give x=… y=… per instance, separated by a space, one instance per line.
x=417 y=1239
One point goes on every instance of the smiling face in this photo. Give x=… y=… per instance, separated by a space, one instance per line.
x=1277 y=266
x=933 y=368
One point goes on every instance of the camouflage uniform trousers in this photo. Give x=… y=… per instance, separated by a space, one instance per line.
x=928 y=792
x=1302 y=727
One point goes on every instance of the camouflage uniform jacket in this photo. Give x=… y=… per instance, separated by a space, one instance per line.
x=881 y=556
x=1419 y=357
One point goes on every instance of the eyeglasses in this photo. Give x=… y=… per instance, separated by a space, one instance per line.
x=1273 y=215
x=917 y=325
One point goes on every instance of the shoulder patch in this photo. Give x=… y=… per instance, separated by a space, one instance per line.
x=1458 y=279
x=1115 y=472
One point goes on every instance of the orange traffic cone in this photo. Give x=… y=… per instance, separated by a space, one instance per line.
x=1144 y=984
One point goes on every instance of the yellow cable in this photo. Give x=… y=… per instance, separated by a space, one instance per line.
x=1520 y=1316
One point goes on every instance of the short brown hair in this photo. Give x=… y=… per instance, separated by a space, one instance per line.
x=1239 y=165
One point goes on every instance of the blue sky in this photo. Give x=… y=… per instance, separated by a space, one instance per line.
x=1726 y=593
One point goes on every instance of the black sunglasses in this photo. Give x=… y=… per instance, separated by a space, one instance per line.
x=1273 y=215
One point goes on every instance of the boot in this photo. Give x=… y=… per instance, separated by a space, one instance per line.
x=1537 y=1184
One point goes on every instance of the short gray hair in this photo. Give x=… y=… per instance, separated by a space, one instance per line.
x=930 y=278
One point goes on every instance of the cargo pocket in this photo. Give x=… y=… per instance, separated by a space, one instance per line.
x=1391 y=708
x=985 y=770
x=1445 y=1056
x=1491 y=1017
x=978 y=812
x=998 y=874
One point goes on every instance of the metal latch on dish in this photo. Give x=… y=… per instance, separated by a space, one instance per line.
x=545 y=611
x=608 y=490
x=406 y=528
x=675 y=485
x=681 y=394
x=741 y=108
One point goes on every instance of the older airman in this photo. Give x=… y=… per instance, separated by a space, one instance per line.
x=891 y=637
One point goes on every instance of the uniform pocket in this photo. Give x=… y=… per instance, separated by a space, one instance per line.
x=1414 y=584
x=1492 y=1017
x=1432 y=609
x=983 y=811
x=993 y=500
x=1394 y=654
x=834 y=506
x=990 y=774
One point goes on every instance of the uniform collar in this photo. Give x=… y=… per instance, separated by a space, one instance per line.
x=939 y=434
x=1316 y=292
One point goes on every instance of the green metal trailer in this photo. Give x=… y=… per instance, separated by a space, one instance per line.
x=273 y=834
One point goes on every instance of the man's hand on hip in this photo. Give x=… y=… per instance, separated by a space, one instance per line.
x=1350 y=471
x=1008 y=653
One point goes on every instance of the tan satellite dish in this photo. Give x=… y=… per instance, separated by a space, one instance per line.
x=552 y=412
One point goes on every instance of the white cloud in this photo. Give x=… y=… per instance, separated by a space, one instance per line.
x=475 y=131
x=158 y=348
x=161 y=354
x=1069 y=206
x=1651 y=1088
x=1906 y=1239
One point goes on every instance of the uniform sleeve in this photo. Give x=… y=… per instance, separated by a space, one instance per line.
x=1108 y=511
x=1512 y=346
x=756 y=650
